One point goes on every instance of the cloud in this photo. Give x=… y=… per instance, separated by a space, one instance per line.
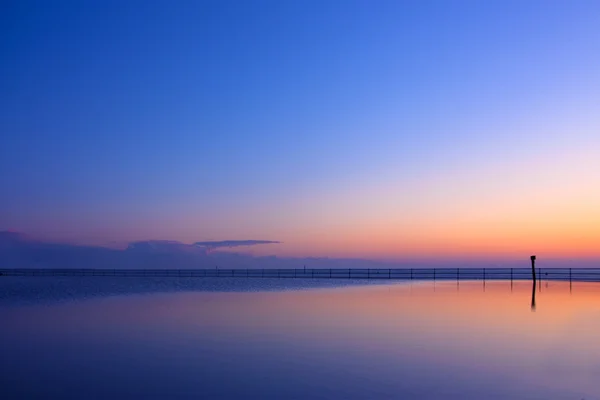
x=213 y=244
x=22 y=251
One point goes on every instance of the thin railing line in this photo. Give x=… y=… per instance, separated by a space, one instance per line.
x=512 y=274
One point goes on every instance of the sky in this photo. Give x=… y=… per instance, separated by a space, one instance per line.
x=375 y=129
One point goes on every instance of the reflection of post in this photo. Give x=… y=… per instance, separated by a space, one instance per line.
x=533 y=296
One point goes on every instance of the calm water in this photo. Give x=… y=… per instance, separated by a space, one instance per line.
x=217 y=338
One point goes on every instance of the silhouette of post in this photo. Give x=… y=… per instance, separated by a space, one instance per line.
x=533 y=268
x=571 y=279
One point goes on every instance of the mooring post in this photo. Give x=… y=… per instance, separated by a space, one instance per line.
x=533 y=268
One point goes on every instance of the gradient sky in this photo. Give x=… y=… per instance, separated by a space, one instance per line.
x=378 y=129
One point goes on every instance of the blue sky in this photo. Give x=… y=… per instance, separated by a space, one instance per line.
x=337 y=127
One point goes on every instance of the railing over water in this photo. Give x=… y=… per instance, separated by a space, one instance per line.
x=546 y=274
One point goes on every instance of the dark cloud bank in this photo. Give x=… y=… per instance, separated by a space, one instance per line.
x=19 y=251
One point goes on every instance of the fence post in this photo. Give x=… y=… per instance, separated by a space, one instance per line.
x=570 y=279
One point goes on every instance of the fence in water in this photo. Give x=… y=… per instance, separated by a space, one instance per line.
x=546 y=274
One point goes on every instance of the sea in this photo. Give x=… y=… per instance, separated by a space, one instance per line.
x=94 y=337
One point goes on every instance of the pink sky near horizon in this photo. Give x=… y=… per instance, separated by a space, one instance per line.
x=543 y=205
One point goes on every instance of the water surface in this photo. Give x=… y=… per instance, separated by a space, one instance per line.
x=297 y=339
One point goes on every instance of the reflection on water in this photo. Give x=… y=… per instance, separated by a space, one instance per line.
x=421 y=341
x=533 y=296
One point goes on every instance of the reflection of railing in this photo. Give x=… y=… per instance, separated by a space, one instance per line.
x=543 y=274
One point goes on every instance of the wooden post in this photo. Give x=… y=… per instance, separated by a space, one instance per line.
x=570 y=279
x=457 y=278
x=533 y=268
